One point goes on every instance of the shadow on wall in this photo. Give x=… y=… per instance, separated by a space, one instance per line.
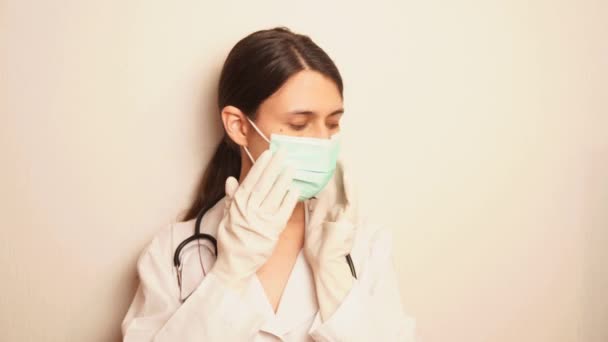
x=595 y=274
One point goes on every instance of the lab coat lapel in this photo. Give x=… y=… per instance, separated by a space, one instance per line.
x=298 y=303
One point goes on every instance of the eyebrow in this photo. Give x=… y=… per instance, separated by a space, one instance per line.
x=310 y=112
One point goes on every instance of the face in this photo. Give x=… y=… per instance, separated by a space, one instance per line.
x=307 y=105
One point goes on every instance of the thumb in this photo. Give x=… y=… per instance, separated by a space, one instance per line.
x=231 y=185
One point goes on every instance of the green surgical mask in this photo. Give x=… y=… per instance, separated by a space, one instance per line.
x=313 y=159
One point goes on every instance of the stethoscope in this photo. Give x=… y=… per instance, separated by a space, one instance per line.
x=197 y=236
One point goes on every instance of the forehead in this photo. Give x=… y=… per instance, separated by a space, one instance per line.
x=306 y=90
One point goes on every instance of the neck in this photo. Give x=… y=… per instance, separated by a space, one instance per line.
x=297 y=216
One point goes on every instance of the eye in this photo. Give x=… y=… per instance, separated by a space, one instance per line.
x=297 y=127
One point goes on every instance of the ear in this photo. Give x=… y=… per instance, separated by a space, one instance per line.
x=235 y=124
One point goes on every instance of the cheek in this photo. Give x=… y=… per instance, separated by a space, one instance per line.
x=256 y=145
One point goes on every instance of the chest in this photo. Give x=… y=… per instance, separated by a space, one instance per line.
x=275 y=273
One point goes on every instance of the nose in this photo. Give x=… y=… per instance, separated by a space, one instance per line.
x=321 y=131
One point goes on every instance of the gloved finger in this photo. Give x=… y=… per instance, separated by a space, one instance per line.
x=351 y=198
x=256 y=171
x=231 y=185
x=278 y=191
x=349 y=195
x=313 y=235
x=267 y=178
x=289 y=203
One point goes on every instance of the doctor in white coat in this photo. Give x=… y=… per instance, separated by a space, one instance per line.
x=290 y=256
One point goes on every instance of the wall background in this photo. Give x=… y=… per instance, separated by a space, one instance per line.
x=481 y=128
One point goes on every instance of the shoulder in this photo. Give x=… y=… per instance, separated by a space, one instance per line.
x=373 y=245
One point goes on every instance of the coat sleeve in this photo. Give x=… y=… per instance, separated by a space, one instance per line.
x=212 y=312
x=372 y=309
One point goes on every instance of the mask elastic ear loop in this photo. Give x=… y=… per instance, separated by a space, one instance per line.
x=258 y=130
x=260 y=133
x=248 y=154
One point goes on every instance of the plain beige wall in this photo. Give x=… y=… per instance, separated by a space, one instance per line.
x=481 y=129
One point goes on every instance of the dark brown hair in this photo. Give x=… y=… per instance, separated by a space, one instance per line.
x=256 y=67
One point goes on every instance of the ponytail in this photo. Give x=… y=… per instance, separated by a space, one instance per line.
x=226 y=162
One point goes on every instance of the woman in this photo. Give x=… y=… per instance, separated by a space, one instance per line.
x=295 y=261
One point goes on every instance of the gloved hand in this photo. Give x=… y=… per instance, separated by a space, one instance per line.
x=327 y=244
x=255 y=214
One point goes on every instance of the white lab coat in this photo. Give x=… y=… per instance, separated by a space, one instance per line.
x=371 y=311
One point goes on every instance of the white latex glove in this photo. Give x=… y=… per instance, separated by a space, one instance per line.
x=256 y=213
x=326 y=245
